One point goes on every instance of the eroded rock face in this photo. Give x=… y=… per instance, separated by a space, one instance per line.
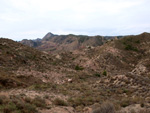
x=58 y=57
x=139 y=69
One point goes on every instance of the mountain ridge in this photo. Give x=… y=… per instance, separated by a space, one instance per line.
x=58 y=43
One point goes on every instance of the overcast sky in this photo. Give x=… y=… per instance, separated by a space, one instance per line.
x=30 y=19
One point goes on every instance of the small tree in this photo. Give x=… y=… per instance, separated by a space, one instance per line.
x=105 y=73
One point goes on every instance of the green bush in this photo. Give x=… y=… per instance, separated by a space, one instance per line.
x=78 y=68
x=105 y=73
x=97 y=75
x=130 y=47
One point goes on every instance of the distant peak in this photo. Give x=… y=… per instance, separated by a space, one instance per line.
x=48 y=35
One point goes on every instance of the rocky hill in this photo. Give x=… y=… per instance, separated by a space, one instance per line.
x=58 y=43
x=112 y=78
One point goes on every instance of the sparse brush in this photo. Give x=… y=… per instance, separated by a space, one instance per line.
x=39 y=102
x=106 y=107
x=59 y=102
x=3 y=100
x=79 y=68
x=29 y=108
x=8 y=108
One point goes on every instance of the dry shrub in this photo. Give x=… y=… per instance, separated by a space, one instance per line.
x=59 y=102
x=39 y=102
x=106 y=107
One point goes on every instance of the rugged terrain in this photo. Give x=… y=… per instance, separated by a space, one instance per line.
x=113 y=77
x=57 y=43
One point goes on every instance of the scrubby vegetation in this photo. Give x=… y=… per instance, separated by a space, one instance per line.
x=79 y=68
x=79 y=81
x=106 y=107
x=105 y=73
x=16 y=105
x=130 y=47
x=59 y=102
x=97 y=74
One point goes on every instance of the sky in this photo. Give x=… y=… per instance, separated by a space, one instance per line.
x=31 y=19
